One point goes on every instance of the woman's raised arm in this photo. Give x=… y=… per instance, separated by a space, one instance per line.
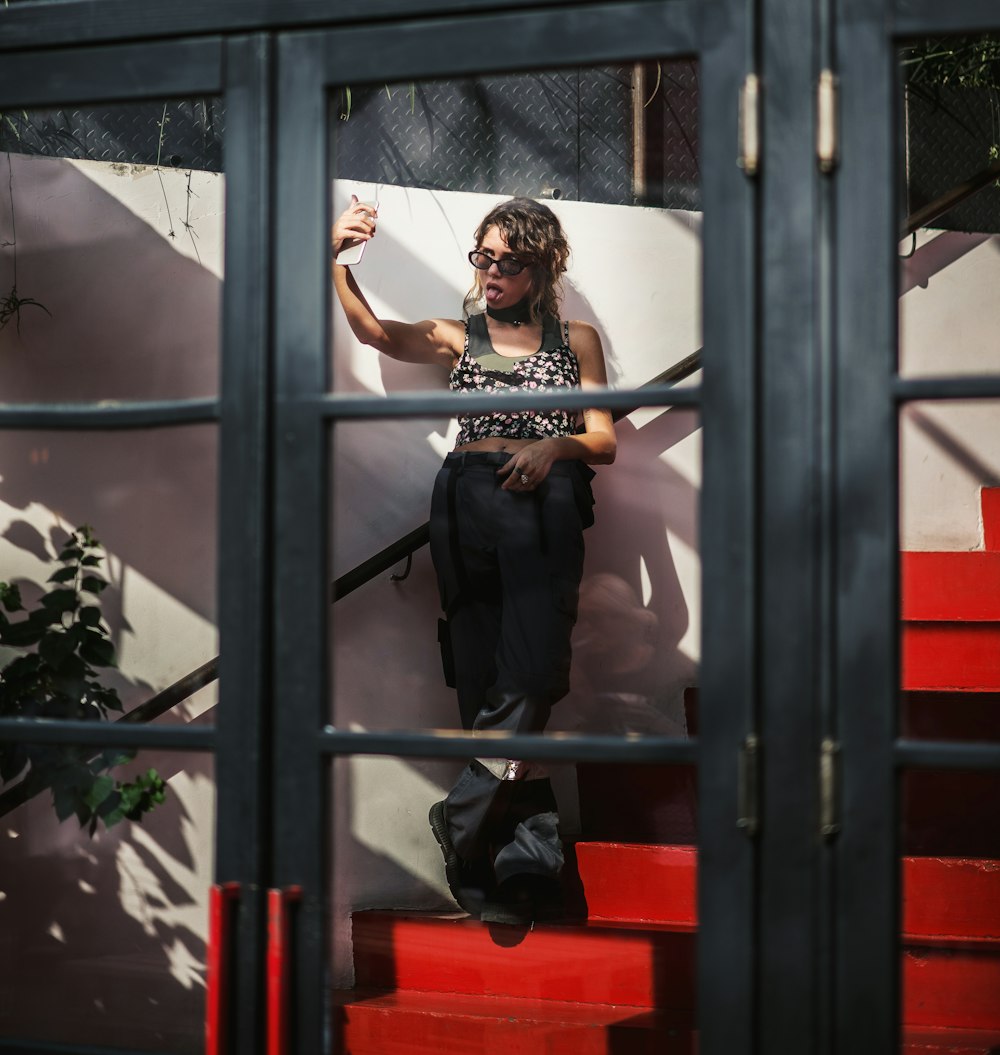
x=435 y=341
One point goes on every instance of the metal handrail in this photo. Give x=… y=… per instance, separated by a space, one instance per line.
x=402 y=549
x=934 y=210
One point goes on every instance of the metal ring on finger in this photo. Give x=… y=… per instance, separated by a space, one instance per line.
x=524 y=480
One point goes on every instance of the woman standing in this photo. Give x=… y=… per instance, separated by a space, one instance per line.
x=507 y=516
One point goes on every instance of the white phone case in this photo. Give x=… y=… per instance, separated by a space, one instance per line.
x=352 y=254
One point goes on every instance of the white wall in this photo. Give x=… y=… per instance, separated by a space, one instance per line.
x=949 y=316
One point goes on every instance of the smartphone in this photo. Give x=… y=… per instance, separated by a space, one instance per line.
x=353 y=252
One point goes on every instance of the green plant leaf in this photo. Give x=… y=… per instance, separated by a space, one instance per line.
x=23 y=634
x=55 y=646
x=63 y=575
x=65 y=801
x=10 y=597
x=99 y=651
x=56 y=680
x=101 y=788
x=108 y=699
x=111 y=758
x=60 y=600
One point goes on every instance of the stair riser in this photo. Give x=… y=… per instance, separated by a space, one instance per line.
x=949 y=897
x=964 y=657
x=364 y=1030
x=635 y=882
x=630 y=967
x=951 y=987
x=367 y=1032
x=655 y=969
x=955 y=586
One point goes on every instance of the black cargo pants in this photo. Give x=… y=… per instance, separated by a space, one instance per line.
x=509 y=565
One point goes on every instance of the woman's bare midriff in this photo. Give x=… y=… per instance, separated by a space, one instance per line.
x=496 y=443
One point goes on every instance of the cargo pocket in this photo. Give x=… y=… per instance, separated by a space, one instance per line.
x=447 y=655
x=565 y=596
x=582 y=492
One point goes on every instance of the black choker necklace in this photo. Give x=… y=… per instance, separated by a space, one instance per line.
x=515 y=314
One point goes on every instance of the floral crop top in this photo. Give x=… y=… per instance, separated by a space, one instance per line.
x=553 y=366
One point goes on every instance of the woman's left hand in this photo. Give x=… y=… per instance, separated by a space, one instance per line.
x=529 y=466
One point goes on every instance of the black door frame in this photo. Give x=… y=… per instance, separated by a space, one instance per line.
x=237 y=69
x=806 y=551
x=863 y=214
x=309 y=65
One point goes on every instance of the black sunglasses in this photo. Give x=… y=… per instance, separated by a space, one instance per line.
x=506 y=265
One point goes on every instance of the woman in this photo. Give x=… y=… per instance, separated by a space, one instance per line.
x=507 y=515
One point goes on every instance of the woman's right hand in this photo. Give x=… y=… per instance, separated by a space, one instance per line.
x=355 y=224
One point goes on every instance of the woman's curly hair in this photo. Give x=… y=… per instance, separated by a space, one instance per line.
x=534 y=235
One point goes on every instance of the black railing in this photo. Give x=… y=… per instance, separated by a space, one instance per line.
x=934 y=210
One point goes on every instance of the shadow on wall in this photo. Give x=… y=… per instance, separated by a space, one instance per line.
x=103 y=939
x=132 y=319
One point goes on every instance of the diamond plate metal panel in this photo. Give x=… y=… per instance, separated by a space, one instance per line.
x=949 y=132
x=670 y=123
x=562 y=134
x=604 y=134
x=181 y=133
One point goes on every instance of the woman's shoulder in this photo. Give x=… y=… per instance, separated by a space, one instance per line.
x=449 y=326
x=448 y=332
x=583 y=338
x=581 y=329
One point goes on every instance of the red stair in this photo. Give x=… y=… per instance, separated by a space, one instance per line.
x=951 y=613
x=950 y=607
x=622 y=980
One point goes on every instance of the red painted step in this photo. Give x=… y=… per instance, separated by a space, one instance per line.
x=950 y=607
x=945 y=899
x=957 y=987
x=452 y=984
x=643 y=965
x=951 y=898
x=629 y=881
x=409 y=1023
x=960 y=657
x=950 y=586
x=942 y=1041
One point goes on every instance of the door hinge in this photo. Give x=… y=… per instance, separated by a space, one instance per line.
x=749 y=157
x=829 y=773
x=826 y=121
x=748 y=776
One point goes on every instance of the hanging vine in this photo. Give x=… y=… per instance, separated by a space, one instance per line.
x=12 y=303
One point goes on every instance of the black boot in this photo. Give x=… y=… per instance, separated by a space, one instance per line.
x=470 y=883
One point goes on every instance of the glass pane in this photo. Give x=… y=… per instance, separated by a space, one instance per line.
x=635 y=644
x=103 y=936
x=950 y=681
x=611 y=966
x=572 y=603
x=114 y=921
x=148 y=499
x=949 y=259
x=111 y=241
